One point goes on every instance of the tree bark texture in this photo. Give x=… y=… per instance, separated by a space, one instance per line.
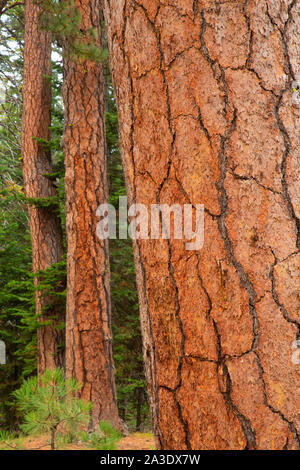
x=45 y=226
x=89 y=355
x=204 y=93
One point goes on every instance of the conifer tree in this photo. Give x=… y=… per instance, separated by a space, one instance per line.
x=45 y=225
x=89 y=356
x=48 y=406
x=208 y=101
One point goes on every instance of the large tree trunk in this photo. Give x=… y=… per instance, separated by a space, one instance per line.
x=45 y=226
x=204 y=95
x=89 y=355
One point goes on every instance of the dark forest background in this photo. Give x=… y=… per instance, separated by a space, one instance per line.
x=18 y=322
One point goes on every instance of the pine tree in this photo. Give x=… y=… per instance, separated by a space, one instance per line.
x=130 y=377
x=45 y=225
x=48 y=405
x=18 y=322
x=207 y=116
x=89 y=356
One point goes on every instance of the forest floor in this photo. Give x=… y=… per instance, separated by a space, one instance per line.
x=135 y=441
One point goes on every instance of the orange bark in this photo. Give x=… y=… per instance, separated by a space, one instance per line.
x=89 y=338
x=45 y=227
x=204 y=96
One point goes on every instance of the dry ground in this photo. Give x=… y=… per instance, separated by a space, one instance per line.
x=135 y=441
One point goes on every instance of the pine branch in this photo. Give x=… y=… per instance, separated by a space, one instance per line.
x=4 y=9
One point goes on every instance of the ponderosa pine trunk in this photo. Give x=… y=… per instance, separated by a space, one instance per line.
x=89 y=355
x=205 y=101
x=45 y=226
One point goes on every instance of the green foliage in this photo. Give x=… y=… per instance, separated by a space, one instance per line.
x=46 y=202
x=18 y=322
x=106 y=439
x=9 y=441
x=48 y=405
x=63 y=19
x=130 y=377
x=6 y=436
x=52 y=283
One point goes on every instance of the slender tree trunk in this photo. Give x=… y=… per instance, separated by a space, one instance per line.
x=45 y=226
x=139 y=398
x=122 y=406
x=89 y=355
x=206 y=116
x=53 y=434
